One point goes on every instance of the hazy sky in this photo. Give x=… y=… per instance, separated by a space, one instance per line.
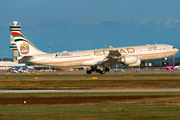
x=32 y=12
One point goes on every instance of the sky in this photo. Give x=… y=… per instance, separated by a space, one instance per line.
x=33 y=12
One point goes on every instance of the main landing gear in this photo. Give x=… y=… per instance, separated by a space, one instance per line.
x=164 y=63
x=95 y=69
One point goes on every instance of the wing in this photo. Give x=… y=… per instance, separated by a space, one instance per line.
x=112 y=58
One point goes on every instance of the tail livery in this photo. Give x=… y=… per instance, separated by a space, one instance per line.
x=25 y=47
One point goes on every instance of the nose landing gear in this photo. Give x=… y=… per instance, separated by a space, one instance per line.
x=164 y=63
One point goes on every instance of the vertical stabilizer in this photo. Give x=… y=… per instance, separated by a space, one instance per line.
x=25 y=47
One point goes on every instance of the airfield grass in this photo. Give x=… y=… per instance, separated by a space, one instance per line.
x=106 y=111
x=94 y=81
x=86 y=84
x=136 y=106
x=88 y=106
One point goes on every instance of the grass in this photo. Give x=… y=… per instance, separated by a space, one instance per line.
x=87 y=84
x=92 y=75
x=84 y=81
x=165 y=106
x=106 y=111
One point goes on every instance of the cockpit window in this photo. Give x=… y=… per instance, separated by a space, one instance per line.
x=173 y=47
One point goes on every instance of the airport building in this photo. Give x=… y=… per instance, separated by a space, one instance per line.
x=5 y=65
x=13 y=46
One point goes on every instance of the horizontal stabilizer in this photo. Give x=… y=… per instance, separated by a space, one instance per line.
x=26 y=58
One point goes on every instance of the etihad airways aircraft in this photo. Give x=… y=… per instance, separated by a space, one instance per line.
x=98 y=60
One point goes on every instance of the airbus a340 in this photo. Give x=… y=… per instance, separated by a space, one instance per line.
x=98 y=60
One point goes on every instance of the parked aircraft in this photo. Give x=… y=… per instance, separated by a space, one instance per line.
x=118 y=70
x=169 y=67
x=20 y=69
x=177 y=67
x=172 y=67
x=99 y=60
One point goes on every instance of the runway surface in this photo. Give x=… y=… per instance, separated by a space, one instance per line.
x=93 y=90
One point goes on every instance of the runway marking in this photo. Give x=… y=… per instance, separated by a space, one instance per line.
x=93 y=90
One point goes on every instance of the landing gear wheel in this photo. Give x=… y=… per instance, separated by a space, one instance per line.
x=98 y=70
x=164 y=63
x=102 y=72
x=88 y=71
x=107 y=69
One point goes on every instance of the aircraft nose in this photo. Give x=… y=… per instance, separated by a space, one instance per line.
x=177 y=50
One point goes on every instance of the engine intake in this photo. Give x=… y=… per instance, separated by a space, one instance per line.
x=130 y=60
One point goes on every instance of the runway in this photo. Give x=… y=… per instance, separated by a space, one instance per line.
x=93 y=90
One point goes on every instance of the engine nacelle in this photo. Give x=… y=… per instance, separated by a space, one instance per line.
x=138 y=63
x=131 y=59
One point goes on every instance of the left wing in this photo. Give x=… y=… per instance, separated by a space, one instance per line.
x=112 y=58
x=113 y=52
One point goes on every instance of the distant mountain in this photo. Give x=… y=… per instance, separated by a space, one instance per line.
x=5 y=41
x=62 y=36
x=169 y=24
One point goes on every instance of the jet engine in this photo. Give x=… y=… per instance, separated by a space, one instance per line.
x=130 y=60
x=138 y=63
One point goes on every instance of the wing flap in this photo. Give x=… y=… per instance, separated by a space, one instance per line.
x=112 y=57
x=113 y=52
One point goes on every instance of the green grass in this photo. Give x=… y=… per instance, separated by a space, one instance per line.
x=84 y=81
x=94 y=74
x=90 y=84
x=97 y=111
x=143 y=109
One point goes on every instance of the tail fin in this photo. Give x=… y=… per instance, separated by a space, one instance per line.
x=25 y=47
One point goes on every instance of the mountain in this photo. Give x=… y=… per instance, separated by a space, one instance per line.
x=62 y=36
x=5 y=42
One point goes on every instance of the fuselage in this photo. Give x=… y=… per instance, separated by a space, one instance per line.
x=94 y=57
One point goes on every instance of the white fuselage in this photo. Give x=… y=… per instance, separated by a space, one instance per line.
x=95 y=57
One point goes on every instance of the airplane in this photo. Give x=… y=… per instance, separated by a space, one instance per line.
x=172 y=67
x=20 y=69
x=98 y=60
x=169 y=67
x=177 y=67
x=118 y=70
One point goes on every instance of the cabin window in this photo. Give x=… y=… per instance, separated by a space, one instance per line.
x=76 y=56
x=57 y=55
x=85 y=55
